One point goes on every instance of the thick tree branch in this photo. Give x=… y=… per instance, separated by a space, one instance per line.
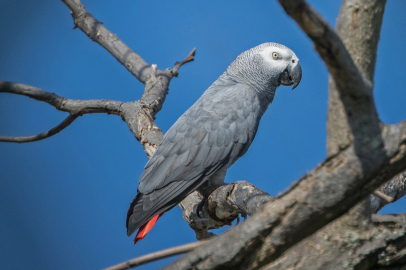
x=354 y=170
x=370 y=245
x=159 y=255
x=349 y=118
x=329 y=46
x=223 y=206
x=321 y=196
x=352 y=111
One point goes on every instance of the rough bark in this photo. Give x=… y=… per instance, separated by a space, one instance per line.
x=330 y=47
x=328 y=192
x=222 y=207
x=350 y=244
x=351 y=119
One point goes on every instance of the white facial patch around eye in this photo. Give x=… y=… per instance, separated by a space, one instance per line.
x=268 y=52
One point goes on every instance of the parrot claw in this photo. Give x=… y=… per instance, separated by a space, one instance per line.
x=200 y=207
x=206 y=194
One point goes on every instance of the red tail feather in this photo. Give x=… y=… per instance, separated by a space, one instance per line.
x=144 y=229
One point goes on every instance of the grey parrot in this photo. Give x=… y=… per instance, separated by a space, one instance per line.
x=212 y=134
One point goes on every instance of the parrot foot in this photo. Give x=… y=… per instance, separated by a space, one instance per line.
x=206 y=193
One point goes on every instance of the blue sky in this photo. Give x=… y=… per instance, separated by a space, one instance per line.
x=63 y=200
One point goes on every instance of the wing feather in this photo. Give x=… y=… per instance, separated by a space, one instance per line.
x=212 y=134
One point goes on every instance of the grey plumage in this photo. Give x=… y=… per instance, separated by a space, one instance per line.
x=212 y=134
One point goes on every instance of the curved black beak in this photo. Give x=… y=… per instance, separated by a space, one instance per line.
x=291 y=76
x=296 y=74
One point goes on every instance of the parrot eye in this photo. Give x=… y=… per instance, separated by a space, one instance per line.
x=275 y=55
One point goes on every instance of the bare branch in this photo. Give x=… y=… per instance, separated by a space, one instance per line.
x=383 y=196
x=329 y=46
x=100 y=34
x=74 y=107
x=223 y=206
x=350 y=118
x=68 y=120
x=32 y=92
x=140 y=122
x=188 y=59
x=138 y=115
x=156 y=256
x=377 y=244
x=323 y=195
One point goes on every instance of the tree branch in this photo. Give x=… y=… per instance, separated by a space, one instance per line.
x=68 y=120
x=74 y=107
x=362 y=164
x=100 y=34
x=383 y=196
x=372 y=245
x=350 y=118
x=321 y=196
x=159 y=255
x=329 y=46
x=223 y=206
x=31 y=92
x=188 y=59
x=139 y=116
x=140 y=121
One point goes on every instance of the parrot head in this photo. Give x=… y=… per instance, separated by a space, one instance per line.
x=267 y=66
x=283 y=61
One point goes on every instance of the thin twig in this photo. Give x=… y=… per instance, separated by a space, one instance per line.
x=383 y=196
x=68 y=120
x=395 y=189
x=189 y=58
x=156 y=256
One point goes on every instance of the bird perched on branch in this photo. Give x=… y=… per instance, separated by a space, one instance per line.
x=212 y=134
